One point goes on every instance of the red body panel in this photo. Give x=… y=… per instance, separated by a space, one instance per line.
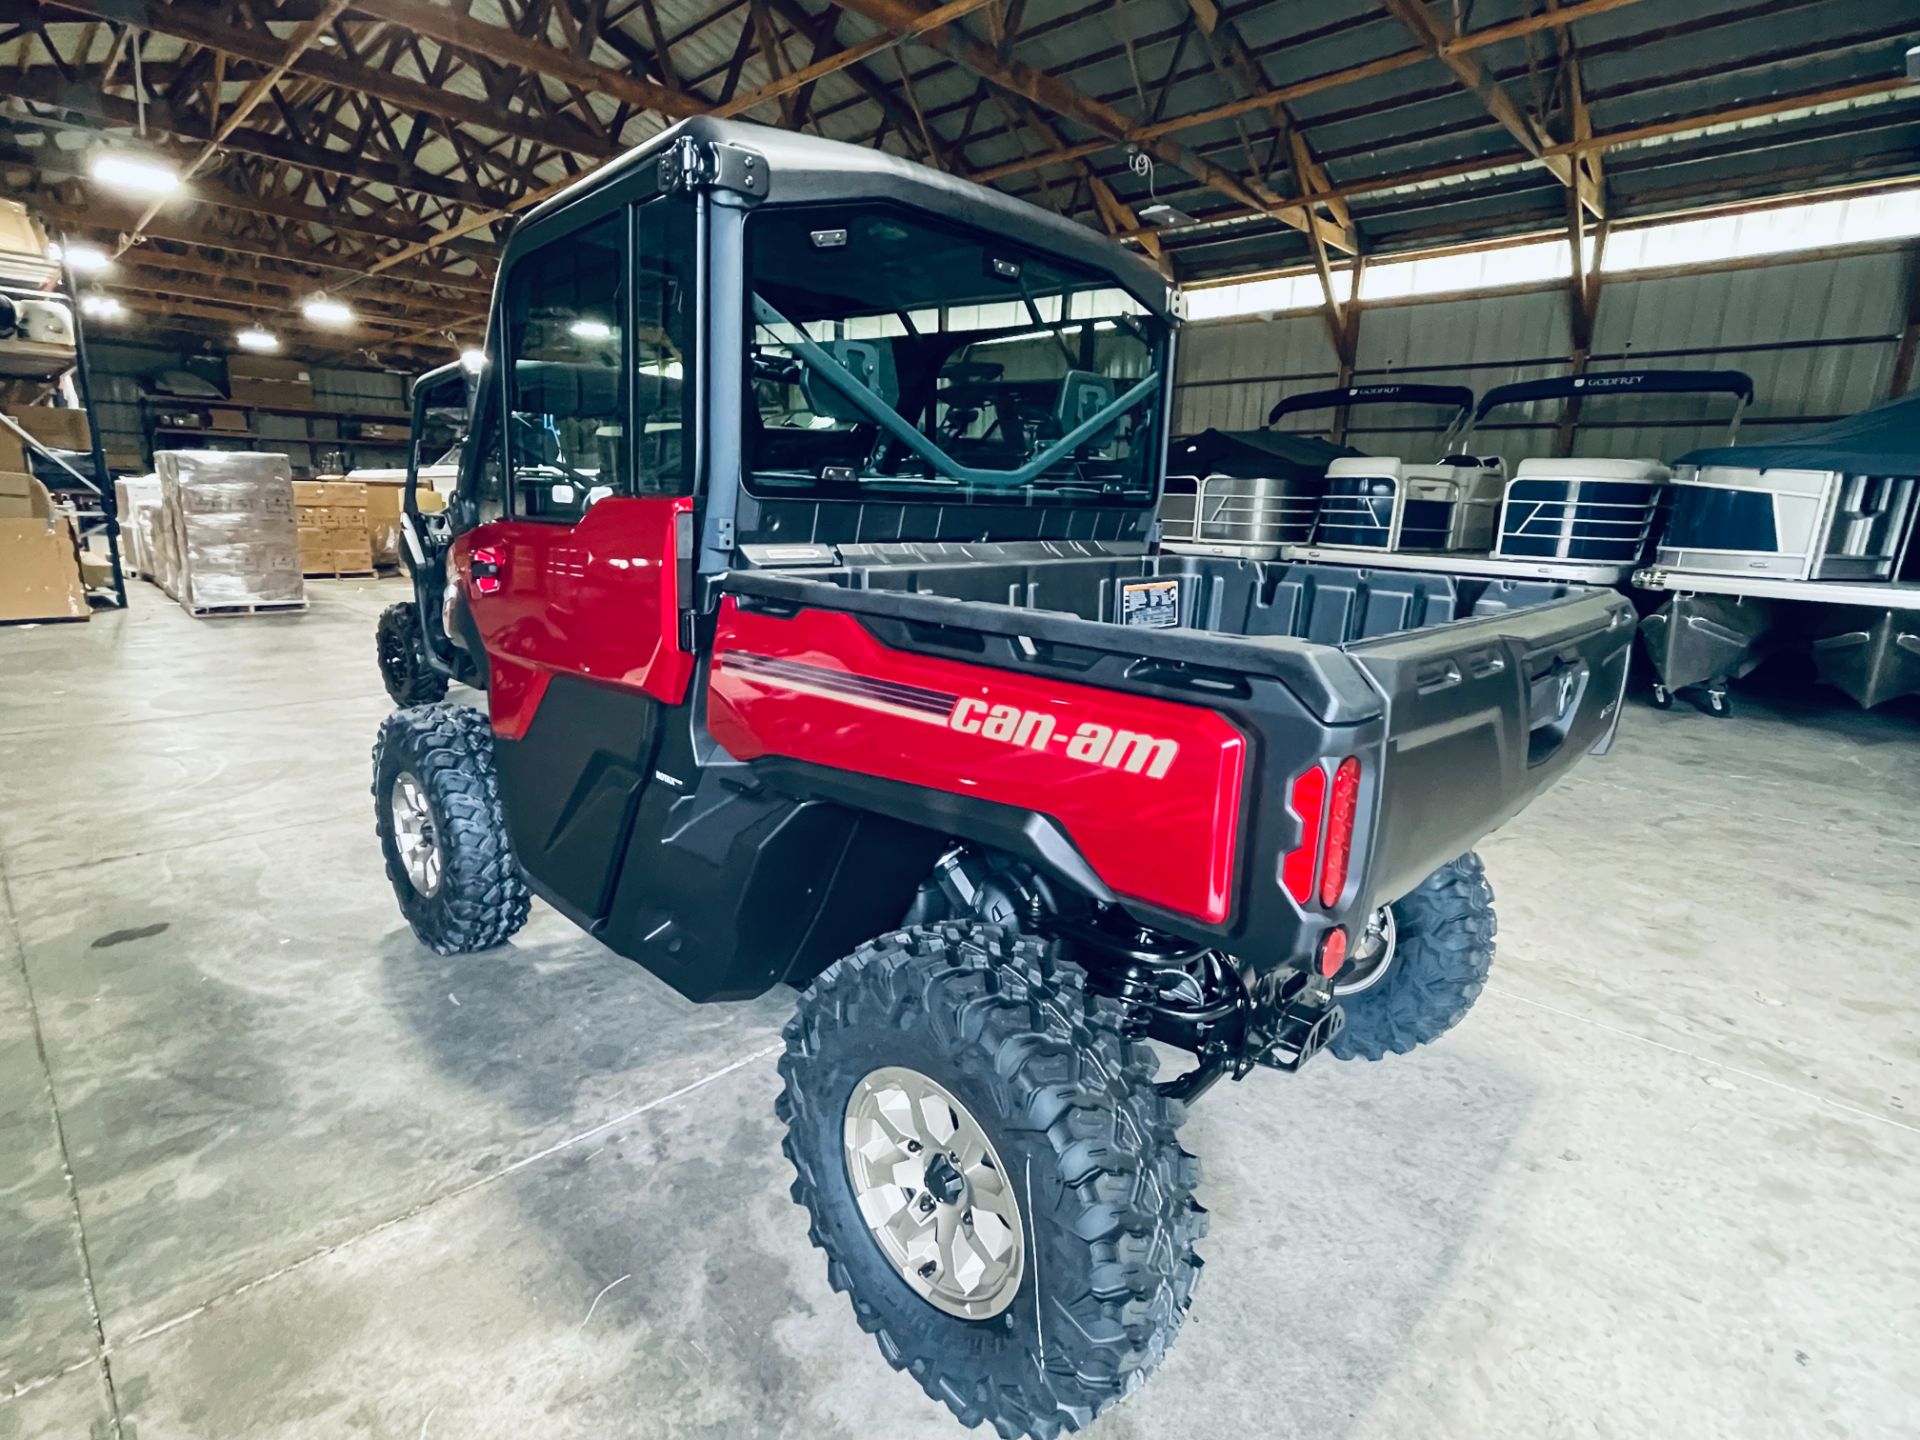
x=598 y=599
x=1148 y=790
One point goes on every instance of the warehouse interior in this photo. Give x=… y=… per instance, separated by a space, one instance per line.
x=299 y=1147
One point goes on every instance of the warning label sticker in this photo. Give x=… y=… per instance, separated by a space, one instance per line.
x=1154 y=603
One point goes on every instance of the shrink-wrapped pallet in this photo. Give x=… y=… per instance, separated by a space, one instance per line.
x=138 y=499
x=226 y=538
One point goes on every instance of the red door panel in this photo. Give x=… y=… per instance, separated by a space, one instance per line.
x=598 y=599
x=1148 y=790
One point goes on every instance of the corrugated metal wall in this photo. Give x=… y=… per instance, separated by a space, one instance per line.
x=1818 y=337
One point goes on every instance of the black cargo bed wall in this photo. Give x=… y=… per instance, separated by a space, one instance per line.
x=1322 y=604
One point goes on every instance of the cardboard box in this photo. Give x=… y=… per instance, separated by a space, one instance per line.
x=96 y=570
x=329 y=493
x=22 y=497
x=39 y=575
x=138 y=503
x=57 y=429
x=20 y=233
x=382 y=430
x=13 y=450
x=39 y=571
x=222 y=417
x=266 y=381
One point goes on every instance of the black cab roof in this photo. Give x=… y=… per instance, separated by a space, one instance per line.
x=805 y=169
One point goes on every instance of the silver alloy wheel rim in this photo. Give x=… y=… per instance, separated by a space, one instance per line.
x=414 y=834
x=932 y=1190
x=1371 y=956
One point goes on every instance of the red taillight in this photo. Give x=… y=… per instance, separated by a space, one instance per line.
x=1333 y=951
x=1308 y=801
x=1341 y=809
x=485 y=565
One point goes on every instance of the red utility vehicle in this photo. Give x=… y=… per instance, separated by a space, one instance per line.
x=804 y=544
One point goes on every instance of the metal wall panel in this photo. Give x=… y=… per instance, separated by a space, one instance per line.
x=1818 y=337
x=1232 y=371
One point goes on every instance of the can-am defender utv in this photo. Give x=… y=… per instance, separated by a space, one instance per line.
x=804 y=545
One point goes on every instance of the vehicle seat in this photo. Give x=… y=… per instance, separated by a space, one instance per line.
x=868 y=362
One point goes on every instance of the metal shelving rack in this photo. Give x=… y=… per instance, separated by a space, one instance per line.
x=96 y=507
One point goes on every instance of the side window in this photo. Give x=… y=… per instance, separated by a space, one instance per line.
x=664 y=279
x=566 y=373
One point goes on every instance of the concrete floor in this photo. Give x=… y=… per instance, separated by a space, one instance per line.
x=267 y=1168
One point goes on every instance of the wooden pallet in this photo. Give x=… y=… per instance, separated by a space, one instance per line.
x=215 y=612
x=339 y=574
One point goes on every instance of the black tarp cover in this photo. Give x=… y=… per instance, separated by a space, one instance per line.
x=1254 y=454
x=1882 y=441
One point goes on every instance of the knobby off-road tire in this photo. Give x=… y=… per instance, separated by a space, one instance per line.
x=401 y=645
x=1104 y=1191
x=1443 y=950
x=433 y=766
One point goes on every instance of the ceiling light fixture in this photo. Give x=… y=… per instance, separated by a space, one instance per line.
x=148 y=176
x=474 y=360
x=254 y=338
x=84 y=259
x=102 y=307
x=332 y=313
x=591 y=329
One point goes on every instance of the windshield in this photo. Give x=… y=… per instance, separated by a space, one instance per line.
x=894 y=354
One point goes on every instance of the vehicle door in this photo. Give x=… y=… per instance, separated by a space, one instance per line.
x=578 y=570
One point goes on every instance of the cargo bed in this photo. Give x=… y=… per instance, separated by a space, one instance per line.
x=1464 y=697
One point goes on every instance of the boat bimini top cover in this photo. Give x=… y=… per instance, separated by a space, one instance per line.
x=1882 y=441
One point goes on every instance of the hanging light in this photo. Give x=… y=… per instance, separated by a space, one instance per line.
x=84 y=259
x=588 y=329
x=147 y=176
x=102 y=307
x=333 y=314
x=474 y=360
x=254 y=338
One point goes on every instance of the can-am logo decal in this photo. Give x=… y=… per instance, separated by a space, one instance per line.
x=1090 y=742
x=1096 y=744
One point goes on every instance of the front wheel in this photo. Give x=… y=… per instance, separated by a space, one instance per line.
x=1419 y=966
x=436 y=805
x=400 y=643
x=992 y=1175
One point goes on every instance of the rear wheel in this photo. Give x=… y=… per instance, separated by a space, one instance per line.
x=400 y=642
x=1419 y=965
x=993 y=1177
x=437 y=809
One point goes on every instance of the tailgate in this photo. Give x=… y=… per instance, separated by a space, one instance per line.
x=1482 y=716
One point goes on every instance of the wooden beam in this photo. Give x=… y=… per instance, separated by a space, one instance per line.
x=449 y=26
x=224 y=35
x=1436 y=36
x=1603 y=141
x=97 y=218
x=1559 y=19
x=1051 y=93
x=846 y=58
x=45 y=89
x=1279 y=95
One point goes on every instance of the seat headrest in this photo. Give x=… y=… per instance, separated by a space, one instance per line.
x=869 y=362
x=1083 y=395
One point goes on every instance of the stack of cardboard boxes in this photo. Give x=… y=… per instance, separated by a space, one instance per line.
x=40 y=573
x=265 y=381
x=333 y=533
x=39 y=570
